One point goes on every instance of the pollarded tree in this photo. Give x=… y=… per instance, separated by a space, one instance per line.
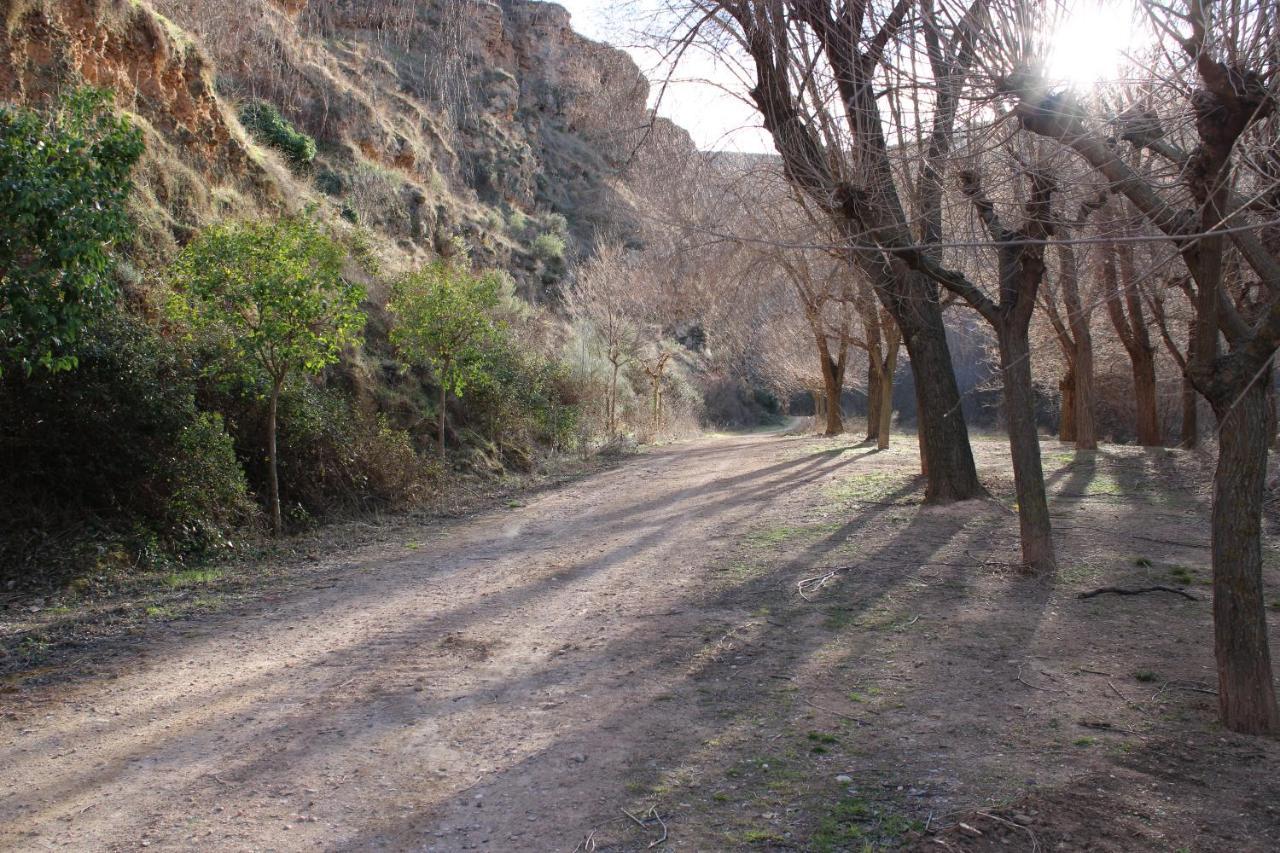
x=1069 y=310
x=1216 y=211
x=445 y=317
x=64 y=179
x=273 y=297
x=820 y=71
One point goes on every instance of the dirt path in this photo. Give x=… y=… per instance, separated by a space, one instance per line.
x=481 y=687
x=511 y=682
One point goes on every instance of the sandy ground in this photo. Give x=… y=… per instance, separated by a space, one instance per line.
x=637 y=640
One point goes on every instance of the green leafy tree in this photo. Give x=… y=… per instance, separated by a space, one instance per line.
x=273 y=295
x=444 y=319
x=64 y=180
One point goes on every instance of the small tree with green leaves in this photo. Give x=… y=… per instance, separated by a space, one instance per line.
x=444 y=319
x=64 y=179
x=272 y=294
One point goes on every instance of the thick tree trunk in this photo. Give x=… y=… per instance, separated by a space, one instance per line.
x=1190 y=432
x=874 y=398
x=832 y=386
x=1246 y=691
x=832 y=370
x=1086 y=426
x=1067 y=409
x=1024 y=446
x=1144 y=396
x=277 y=520
x=885 y=408
x=946 y=457
x=1272 y=423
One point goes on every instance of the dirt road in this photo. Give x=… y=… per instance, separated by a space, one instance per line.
x=635 y=640
x=488 y=686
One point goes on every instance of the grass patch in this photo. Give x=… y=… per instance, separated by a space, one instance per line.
x=756 y=836
x=854 y=824
x=1146 y=676
x=839 y=618
x=192 y=577
x=872 y=486
x=742 y=569
x=773 y=535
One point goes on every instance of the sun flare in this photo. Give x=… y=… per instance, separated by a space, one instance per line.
x=1090 y=42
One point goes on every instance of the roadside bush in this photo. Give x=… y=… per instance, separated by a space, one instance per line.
x=270 y=128
x=334 y=457
x=207 y=488
x=523 y=401
x=116 y=448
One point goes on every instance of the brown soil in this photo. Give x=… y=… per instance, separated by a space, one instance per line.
x=636 y=641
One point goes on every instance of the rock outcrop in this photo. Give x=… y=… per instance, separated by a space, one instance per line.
x=491 y=122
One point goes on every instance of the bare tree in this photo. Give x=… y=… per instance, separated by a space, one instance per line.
x=1020 y=270
x=600 y=296
x=1222 y=54
x=1123 y=295
x=1078 y=421
x=815 y=67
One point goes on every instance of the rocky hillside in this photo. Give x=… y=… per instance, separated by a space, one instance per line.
x=493 y=123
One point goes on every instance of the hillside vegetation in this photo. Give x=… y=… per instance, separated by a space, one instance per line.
x=488 y=140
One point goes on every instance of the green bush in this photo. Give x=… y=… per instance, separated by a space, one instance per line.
x=555 y=223
x=517 y=222
x=272 y=294
x=523 y=400
x=335 y=457
x=270 y=128
x=549 y=248
x=64 y=179
x=444 y=316
x=115 y=449
x=330 y=182
x=207 y=488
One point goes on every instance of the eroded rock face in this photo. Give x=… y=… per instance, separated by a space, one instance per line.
x=197 y=165
x=155 y=71
x=459 y=106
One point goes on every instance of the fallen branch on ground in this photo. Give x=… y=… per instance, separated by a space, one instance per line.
x=651 y=815
x=1119 y=590
x=817 y=582
x=1035 y=843
x=1182 y=685
x=1036 y=686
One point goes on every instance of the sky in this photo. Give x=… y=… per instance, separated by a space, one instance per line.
x=715 y=119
